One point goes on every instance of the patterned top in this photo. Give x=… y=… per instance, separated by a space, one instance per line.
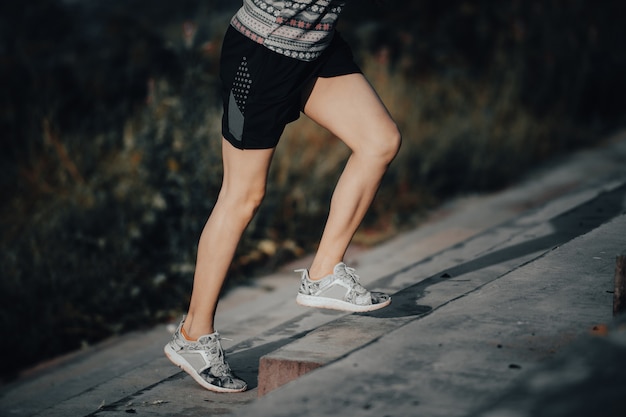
x=300 y=29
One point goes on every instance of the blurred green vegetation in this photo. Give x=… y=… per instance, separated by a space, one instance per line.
x=110 y=155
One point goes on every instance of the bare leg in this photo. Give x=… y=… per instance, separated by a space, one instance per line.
x=350 y=108
x=243 y=188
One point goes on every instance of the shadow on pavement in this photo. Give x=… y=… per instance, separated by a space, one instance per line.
x=566 y=226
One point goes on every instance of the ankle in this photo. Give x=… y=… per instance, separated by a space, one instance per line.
x=316 y=275
x=192 y=331
x=318 y=272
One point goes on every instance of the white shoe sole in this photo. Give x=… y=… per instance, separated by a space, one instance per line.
x=335 y=304
x=185 y=366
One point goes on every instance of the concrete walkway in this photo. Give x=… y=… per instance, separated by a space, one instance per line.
x=502 y=306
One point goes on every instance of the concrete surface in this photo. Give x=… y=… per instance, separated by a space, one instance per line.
x=457 y=357
x=529 y=237
x=497 y=302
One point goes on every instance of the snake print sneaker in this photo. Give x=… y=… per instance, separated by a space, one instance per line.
x=204 y=361
x=339 y=291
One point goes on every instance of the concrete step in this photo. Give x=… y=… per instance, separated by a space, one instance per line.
x=484 y=350
x=495 y=252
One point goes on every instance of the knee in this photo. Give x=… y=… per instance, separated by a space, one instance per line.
x=387 y=144
x=252 y=200
x=244 y=203
x=394 y=140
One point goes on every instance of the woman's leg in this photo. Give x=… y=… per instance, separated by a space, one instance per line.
x=349 y=107
x=243 y=188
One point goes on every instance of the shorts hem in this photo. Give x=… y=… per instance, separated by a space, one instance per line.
x=239 y=144
x=341 y=73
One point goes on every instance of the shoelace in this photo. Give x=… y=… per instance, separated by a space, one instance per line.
x=218 y=367
x=352 y=273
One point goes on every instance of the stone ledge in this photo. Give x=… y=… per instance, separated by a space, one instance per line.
x=323 y=346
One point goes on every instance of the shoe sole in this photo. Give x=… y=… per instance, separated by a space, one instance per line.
x=335 y=304
x=179 y=361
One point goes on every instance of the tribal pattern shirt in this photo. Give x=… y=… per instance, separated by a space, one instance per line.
x=299 y=29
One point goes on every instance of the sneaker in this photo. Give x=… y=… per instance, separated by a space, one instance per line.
x=204 y=361
x=339 y=291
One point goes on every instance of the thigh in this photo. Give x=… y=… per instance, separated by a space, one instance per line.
x=245 y=171
x=348 y=106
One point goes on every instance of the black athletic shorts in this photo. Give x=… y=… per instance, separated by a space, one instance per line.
x=263 y=90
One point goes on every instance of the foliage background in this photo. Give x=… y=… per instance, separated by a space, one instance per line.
x=110 y=163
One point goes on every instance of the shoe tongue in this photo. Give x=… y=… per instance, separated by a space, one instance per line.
x=340 y=267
